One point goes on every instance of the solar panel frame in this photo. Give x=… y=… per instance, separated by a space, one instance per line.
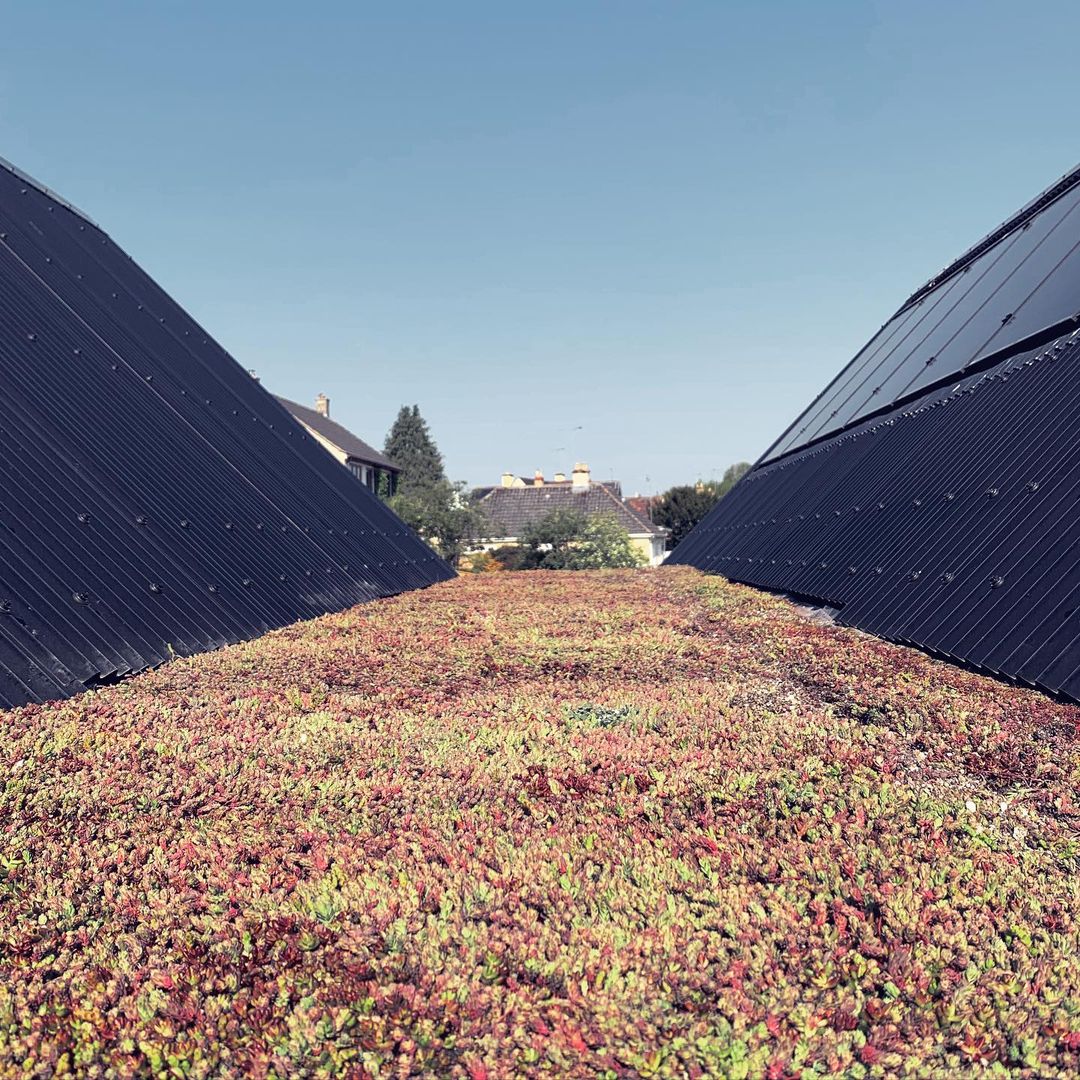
x=952 y=524
x=988 y=302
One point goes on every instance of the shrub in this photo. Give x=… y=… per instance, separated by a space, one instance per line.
x=567 y=540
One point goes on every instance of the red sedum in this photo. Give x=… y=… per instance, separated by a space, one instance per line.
x=632 y=823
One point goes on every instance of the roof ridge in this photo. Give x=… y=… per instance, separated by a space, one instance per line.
x=326 y=427
x=1014 y=221
x=524 y=502
x=48 y=191
x=650 y=526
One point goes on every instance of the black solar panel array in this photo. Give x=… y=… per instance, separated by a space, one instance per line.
x=950 y=518
x=154 y=498
x=1018 y=290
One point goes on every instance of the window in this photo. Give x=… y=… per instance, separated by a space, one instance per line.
x=364 y=473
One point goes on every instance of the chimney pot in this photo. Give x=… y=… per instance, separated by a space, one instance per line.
x=538 y=479
x=322 y=405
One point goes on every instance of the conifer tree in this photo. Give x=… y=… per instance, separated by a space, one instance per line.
x=425 y=499
x=410 y=446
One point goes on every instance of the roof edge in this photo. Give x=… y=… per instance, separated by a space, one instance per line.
x=322 y=428
x=651 y=528
x=1060 y=334
x=646 y=527
x=26 y=178
x=1016 y=221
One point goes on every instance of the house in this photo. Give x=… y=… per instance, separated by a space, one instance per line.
x=367 y=464
x=929 y=493
x=518 y=502
x=644 y=505
x=157 y=501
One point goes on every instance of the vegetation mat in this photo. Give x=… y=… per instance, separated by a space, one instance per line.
x=626 y=823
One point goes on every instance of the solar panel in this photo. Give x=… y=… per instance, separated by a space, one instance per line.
x=1016 y=288
x=942 y=510
x=155 y=500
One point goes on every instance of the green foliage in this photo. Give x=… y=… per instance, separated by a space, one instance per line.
x=732 y=475
x=546 y=543
x=480 y=562
x=567 y=540
x=410 y=446
x=441 y=513
x=604 y=544
x=680 y=508
x=425 y=499
x=603 y=716
x=510 y=557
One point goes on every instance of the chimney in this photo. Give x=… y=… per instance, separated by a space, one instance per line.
x=579 y=478
x=560 y=478
x=322 y=406
x=538 y=479
x=507 y=479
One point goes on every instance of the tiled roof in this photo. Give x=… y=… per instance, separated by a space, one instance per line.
x=614 y=486
x=642 y=504
x=509 y=511
x=341 y=437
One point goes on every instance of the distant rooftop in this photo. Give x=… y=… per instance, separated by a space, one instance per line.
x=342 y=437
x=517 y=503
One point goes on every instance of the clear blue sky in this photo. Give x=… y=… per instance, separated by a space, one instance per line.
x=639 y=234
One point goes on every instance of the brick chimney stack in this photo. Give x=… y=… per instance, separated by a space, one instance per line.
x=538 y=479
x=579 y=478
x=560 y=478
x=322 y=406
x=507 y=479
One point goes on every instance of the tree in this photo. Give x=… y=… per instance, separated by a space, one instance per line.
x=441 y=513
x=425 y=500
x=546 y=542
x=481 y=562
x=605 y=544
x=410 y=446
x=732 y=475
x=566 y=540
x=681 y=508
x=510 y=557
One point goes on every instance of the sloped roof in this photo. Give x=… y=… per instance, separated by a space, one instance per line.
x=641 y=504
x=509 y=511
x=341 y=437
x=940 y=511
x=1011 y=291
x=155 y=499
x=614 y=486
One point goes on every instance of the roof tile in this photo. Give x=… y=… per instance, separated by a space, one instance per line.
x=512 y=510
